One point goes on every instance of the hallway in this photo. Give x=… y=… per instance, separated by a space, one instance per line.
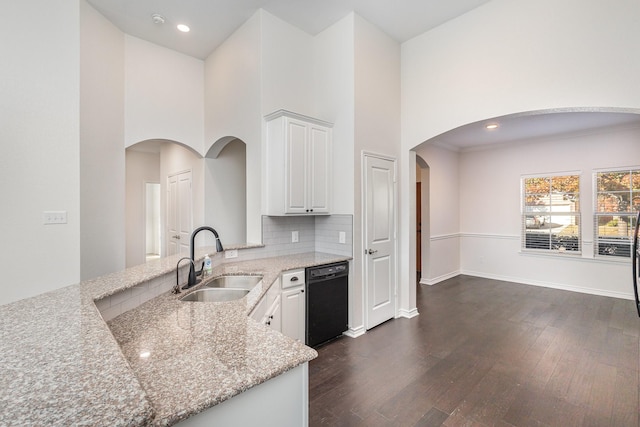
x=486 y=353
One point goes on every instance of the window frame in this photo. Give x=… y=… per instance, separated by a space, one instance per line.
x=607 y=242
x=576 y=214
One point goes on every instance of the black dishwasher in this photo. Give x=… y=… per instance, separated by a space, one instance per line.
x=327 y=302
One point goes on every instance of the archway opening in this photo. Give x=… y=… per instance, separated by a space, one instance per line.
x=226 y=189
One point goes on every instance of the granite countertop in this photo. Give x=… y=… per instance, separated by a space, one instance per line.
x=62 y=364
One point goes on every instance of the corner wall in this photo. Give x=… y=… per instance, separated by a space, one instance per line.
x=102 y=157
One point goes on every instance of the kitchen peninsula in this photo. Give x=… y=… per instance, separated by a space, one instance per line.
x=156 y=364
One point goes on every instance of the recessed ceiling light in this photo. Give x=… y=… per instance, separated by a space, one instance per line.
x=184 y=28
x=491 y=126
x=157 y=19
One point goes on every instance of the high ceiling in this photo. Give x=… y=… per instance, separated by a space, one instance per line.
x=212 y=21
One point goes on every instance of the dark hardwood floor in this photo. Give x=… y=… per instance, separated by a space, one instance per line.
x=486 y=353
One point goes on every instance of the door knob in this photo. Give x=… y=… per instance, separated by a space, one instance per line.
x=372 y=251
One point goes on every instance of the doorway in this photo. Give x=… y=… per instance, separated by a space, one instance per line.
x=179 y=213
x=153 y=226
x=423 y=243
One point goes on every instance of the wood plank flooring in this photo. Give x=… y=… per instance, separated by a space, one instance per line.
x=486 y=353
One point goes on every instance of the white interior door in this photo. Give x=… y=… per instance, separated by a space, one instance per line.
x=380 y=239
x=179 y=213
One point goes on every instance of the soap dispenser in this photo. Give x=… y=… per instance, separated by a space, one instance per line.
x=207 y=266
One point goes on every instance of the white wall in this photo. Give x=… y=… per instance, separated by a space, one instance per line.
x=226 y=193
x=442 y=231
x=286 y=57
x=164 y=95
x=376 y=125
x=334 y=101
x=513 y=56
x=490 y=230
x=39 y=133
x=233 y=107
x=102 y=163
x=141 y=167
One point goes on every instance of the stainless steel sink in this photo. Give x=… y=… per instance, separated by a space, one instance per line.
x=237 y=282
x=215 y=295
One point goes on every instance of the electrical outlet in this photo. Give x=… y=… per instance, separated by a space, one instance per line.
x=231 y=253
x=295 y=238
x=54 y=217
x=342 y=237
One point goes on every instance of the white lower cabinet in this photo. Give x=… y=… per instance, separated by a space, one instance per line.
x=293 y=304
x=293 y=311
x=283 y=308
x=272 y=317
x=267 y=311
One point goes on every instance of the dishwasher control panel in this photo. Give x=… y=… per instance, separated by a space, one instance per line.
x=329 y=271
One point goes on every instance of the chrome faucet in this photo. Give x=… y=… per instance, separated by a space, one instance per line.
x=192 y=270
x=176 y=288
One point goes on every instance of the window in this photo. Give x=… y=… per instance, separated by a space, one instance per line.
x=617 y=204
x=551 y=213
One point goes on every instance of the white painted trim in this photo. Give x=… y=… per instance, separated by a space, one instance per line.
x=560 y=286
x=439 y=279
x=407 y=314
x=583 y=256
x=355 y=332
x=444 y=236
x=491 y=236
x=292 y=115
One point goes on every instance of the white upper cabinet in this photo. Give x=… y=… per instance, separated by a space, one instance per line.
x=299 y=165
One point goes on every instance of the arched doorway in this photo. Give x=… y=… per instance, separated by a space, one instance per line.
x=226 y=189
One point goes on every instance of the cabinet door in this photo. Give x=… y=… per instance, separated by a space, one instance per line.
x=273 y=316
x=319 y=169
x=296 y=167
x=293 y=309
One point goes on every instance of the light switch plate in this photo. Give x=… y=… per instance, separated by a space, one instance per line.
x=294 y=237
x=231 y=253
x=54 y=217
x=342 y=237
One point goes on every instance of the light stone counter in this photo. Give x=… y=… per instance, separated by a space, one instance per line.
x=61 y=364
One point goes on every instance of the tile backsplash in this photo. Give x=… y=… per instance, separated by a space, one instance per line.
x=319 y=233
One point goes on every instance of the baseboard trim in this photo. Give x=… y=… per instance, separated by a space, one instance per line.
x=408 y=314
x=439 y=279
x=560 y=286
x=355 y=332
